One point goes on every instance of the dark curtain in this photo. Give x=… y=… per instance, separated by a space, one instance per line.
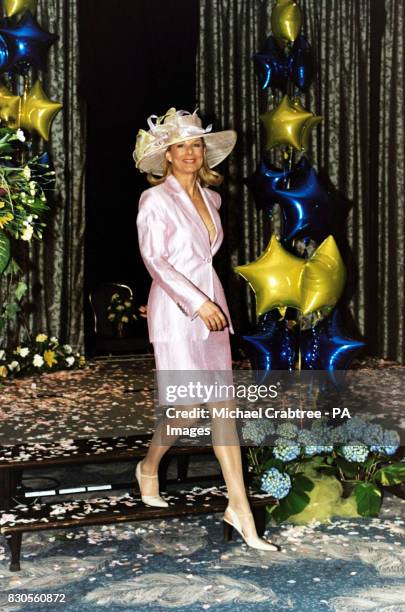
x=53 y=268
x=359 y=88
x=138 y=63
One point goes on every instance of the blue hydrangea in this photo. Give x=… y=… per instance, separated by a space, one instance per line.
x=276 y=483
x=317 y=449
x=306 y=438
x=339 y=435
x=373 y=435
x=254 y=432
x=286 y=450
x=389 y=444
x=356 y=428
x=355 y=452
x=287 y=430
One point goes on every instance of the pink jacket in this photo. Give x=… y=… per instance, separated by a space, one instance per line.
x=175 y=248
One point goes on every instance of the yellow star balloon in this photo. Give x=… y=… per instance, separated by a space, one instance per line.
x=286 y=21
x=324 y=277
x=275 y=278
x=13 y=7
x=309 y=125
x=280 y=279
x=9 y=107
x=38 y=111
x=288 y=124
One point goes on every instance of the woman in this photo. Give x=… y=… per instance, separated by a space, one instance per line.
x=179 y=230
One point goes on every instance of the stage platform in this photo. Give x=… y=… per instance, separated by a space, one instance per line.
x=64 y=436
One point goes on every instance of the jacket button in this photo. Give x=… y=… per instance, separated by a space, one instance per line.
x=208 y=259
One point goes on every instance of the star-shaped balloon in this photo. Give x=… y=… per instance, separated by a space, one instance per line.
x=327 y=346
x=38 y=111
x=323 y=279
x=280 y=279
x=309 y=125
x=263 y=183
x=310 y=210
x=275 y=278
x=272 y=66
x=288 y=124
x=5 y=60
x=9 y=107
x=301 y=63
x=273 y=350
x=307 y=206
x=14 y=7
x=28 y=44
x=286 y=20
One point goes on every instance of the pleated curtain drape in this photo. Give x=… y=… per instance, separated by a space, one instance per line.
x=359 y=91
x=53 y=268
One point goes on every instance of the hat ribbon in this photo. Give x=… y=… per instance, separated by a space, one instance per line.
x=160 y=133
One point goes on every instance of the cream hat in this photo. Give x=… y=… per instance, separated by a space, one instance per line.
x=177 y=126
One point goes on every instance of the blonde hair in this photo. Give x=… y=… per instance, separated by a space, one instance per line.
x=205 y=174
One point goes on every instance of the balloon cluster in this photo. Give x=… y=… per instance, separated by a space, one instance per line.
x=291 y=290
x=24 y=44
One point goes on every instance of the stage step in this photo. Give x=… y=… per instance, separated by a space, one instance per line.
x=85 y=450
x=116 y=509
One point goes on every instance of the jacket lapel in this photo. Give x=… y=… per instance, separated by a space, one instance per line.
x=173 y=187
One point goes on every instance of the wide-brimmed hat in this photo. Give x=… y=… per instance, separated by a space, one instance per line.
x=177 y=126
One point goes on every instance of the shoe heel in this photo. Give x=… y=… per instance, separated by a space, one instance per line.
x=228 y=529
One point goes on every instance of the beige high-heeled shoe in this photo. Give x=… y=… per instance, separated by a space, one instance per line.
x=149 y=500
x=252 y=541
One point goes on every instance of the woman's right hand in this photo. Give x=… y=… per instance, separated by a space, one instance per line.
x=212 y=316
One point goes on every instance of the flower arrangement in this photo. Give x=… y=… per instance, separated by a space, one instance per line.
x=22 y=197
x=359 y=453
x=121 y=311
x=43 y=355
x=22 y=208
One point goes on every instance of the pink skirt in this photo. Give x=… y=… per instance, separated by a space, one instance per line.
x=214 y=353
x=210 y=360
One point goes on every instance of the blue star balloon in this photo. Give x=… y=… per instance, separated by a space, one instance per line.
x=272 y=66
x=263 y=183
x=28 y=44
x=301 y=63
x=326 y=347
x=309 y=210
x=5 y=62
x=273 y=348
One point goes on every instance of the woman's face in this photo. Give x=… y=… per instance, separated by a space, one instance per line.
x=186 y=157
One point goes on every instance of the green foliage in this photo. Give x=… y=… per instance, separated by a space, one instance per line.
x=295 y=501
x=4 y=251
x=391 y=475
x=369 y=498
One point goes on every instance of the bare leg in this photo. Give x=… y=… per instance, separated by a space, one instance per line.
x=160 y=444
x=227 y=450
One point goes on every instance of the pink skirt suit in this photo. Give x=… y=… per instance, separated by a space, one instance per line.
x=175 y=246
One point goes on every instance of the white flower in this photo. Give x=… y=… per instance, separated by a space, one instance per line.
x=26 y=173
x=14 y=365
x=20 y=135
x=32 y=186
x=27 y=233
x=54 y=340
x=67 y=348
x=70 y=361
x=38 y=361
x=6 y=518
x=24 y=351
x=2 y=353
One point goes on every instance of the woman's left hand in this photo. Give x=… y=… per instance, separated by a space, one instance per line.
x=143 y=311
